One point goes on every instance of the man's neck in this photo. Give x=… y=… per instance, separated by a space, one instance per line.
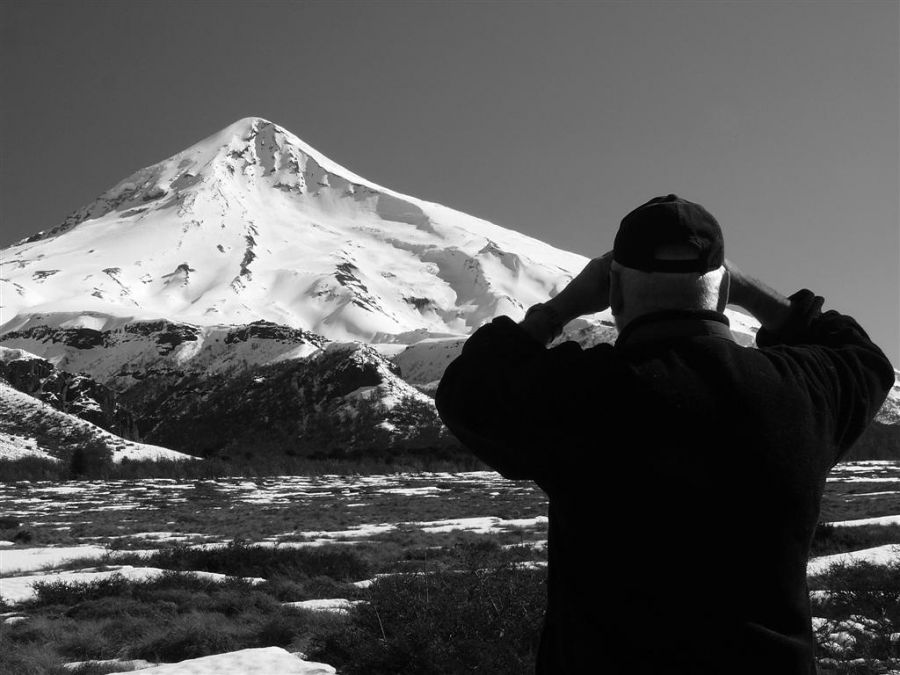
x=669 y=324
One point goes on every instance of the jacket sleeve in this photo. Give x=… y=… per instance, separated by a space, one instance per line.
x=841 y=365
x=510 y=400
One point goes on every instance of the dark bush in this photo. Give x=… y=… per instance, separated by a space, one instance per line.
x=189 y=637
x=246 y=560
x=484 y=617
x=90 y=458
x=71 y=593
x=862 y=600
x=29 y=659
x=31 y=468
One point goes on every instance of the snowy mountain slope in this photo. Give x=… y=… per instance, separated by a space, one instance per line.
x=29 y=427
x=252 y=223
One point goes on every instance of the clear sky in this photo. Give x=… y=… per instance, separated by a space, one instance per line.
x=554 y=119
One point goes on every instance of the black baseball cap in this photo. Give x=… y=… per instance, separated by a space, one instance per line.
x=669 y=222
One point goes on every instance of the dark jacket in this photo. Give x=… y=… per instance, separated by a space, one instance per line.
x=684 y=475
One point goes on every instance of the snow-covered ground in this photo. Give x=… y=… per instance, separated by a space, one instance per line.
x=878 y=555
x=29 y=559
x=877 y=520
x=260 y=661
x=21 y=588
x=18 y=446
x=338 y=605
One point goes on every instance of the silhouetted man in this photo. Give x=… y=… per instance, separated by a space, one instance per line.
x=684 y=472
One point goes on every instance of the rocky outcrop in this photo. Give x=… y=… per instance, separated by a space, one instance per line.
x=347 y=400
x=266 y=330
x=70 y=393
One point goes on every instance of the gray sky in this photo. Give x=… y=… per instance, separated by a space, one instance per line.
x=554 y=119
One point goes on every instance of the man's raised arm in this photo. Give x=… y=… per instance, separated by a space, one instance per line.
x=587 y=293
x=765 y=304
x=507 y=396
x=849 y=373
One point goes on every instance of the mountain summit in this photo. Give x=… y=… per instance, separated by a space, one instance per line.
x=253 y=224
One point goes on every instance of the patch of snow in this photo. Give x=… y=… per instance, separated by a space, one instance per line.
x=481 y=525
x=365 y=583
x=129 y=664
x=335 y=605
x=7 y=355
x=879 y=555
x=259 y=661
x=61 y=489
x=30 y=559
x=862 y=479
x=427 y=491
x=857 y=495
x=354 y=532
x=15 y=446
x=877 y=520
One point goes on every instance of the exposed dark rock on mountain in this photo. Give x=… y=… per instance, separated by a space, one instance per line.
x=70 y=393
x=340 y=402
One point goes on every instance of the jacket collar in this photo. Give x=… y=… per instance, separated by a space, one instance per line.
x=672 y=324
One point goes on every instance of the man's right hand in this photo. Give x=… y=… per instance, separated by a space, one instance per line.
x=588 y=292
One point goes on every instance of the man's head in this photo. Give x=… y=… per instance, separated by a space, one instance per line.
x=669 y=254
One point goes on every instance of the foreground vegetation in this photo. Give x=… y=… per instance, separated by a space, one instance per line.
x=472 y=607
x=861 y=605
x=432 y=601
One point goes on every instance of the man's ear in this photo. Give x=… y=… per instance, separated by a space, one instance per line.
x=724 y=290
x=616 y=296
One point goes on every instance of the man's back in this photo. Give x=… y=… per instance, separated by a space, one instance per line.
x=692 y=465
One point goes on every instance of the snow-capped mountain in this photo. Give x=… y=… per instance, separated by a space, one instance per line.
x=253 y=224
